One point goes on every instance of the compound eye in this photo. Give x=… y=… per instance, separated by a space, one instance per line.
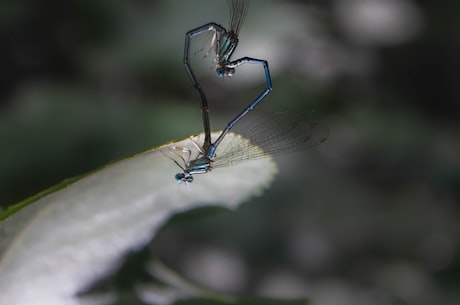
x=179 y=177
x=220 y=72
x=183 y=177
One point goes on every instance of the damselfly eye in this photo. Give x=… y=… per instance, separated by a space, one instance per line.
x=179 y=177
x=220 y=72
x=183 y=177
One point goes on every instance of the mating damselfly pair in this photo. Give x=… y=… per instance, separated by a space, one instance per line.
x=272 y=135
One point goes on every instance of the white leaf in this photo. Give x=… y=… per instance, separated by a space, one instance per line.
x=52 y=248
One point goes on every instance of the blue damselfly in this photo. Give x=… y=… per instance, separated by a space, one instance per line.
x=272 y=135
x=223 y=43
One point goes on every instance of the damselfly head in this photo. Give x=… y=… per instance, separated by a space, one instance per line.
x=184 y=177
x=225 y=71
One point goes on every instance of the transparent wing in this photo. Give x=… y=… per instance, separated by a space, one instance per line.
x=272 y=135
x=182 y=155
x=238 y=11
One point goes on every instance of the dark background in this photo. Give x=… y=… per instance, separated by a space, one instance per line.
x=369 y=217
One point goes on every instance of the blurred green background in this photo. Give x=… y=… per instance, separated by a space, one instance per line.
x=369 y=217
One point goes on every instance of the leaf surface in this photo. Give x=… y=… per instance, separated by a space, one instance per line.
x=54 y=246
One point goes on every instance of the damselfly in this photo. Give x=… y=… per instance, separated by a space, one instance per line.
x=272 y=135
x=223 y=43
